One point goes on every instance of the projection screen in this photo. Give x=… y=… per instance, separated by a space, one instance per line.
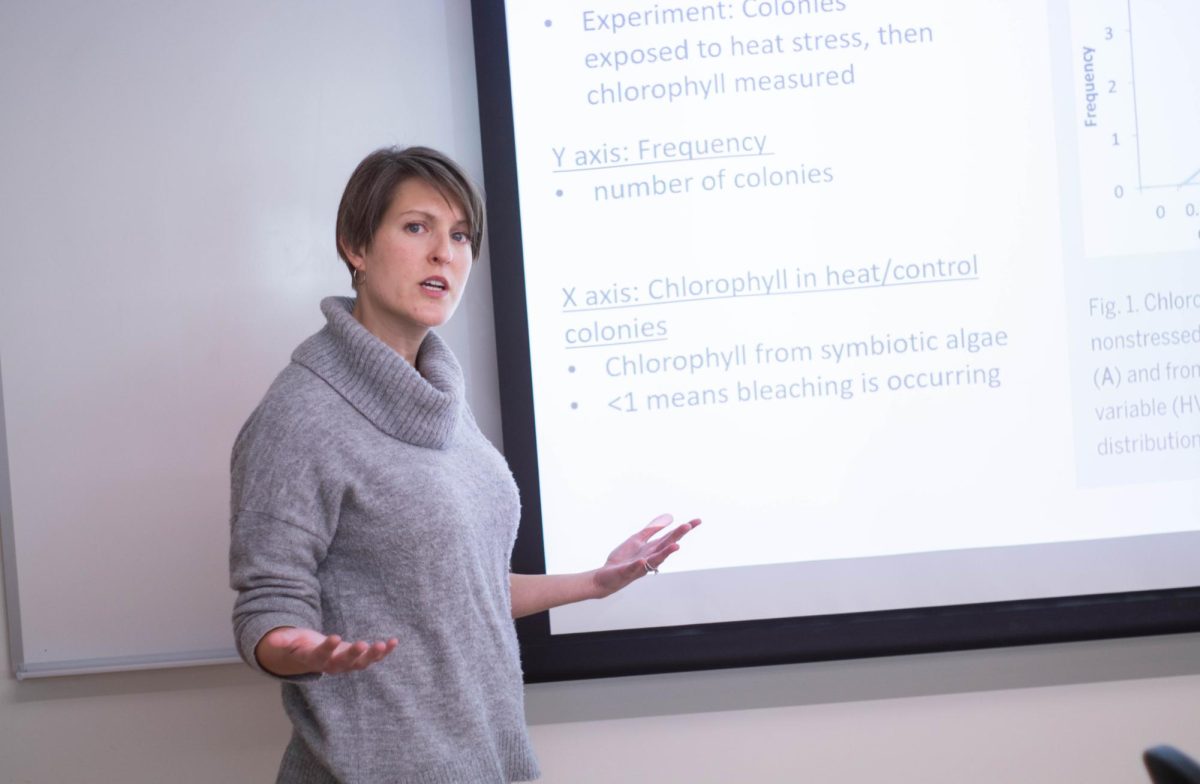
x=901 y=299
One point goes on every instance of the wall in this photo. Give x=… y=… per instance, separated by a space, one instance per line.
x=1078 y=712
x=1062 y=713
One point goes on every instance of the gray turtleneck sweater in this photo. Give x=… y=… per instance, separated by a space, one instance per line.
x=367 y=503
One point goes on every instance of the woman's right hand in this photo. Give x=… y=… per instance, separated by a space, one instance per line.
x=288 y=650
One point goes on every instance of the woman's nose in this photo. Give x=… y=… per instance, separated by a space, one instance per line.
x=442 y=251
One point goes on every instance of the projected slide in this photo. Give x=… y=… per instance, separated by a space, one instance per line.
x=817 y=272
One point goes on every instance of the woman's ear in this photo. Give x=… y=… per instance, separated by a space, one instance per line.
x=353 y=255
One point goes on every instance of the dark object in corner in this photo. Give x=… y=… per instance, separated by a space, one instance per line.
x=1169 y=765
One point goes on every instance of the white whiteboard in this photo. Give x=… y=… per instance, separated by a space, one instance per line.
x=171 y=177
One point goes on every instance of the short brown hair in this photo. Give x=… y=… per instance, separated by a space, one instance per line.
x=373 y=185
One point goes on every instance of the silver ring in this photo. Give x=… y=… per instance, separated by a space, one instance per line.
x=650 y=569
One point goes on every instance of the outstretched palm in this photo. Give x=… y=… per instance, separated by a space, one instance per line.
x=640 y=554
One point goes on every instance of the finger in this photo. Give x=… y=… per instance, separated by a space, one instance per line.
x=656 y=560
x=680 y=531
x=377 y=652
x=346 y=658
x=369 y=656
x=337 y=659
x=355 y=653
x=676 y=533
x=387 y=648
x=649 y=565
x=663 y=543
x=318 y=657
x=653 y=527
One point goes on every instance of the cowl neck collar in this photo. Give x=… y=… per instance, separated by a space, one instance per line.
x=421 y=408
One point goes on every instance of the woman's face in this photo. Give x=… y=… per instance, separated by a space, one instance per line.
x=416 y=269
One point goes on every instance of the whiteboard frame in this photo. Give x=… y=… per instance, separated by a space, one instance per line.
x=8 y=548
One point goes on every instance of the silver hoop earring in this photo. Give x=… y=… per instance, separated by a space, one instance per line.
x=358 y=277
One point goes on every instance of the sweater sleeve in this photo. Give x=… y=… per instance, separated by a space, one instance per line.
x=273 y=567
x=282 y=522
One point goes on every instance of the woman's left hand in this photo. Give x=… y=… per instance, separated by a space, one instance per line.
x=640 y=554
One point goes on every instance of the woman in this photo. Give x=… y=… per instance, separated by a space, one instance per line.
x=373 y=522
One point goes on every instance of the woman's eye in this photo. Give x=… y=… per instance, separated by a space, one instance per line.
x=460 y=236
x=413 y=228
